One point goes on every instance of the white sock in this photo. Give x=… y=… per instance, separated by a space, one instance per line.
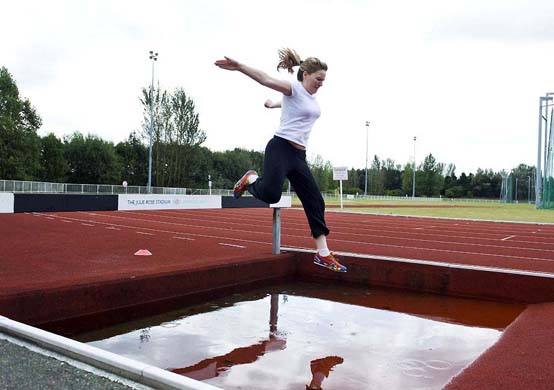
x=252 y=179
x=321 y=245
x=324 y=252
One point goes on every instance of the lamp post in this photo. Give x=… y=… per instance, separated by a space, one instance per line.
x=528 y=189
x=154 y=58
x=413 y=179
x=366 y=147
x=543 y=102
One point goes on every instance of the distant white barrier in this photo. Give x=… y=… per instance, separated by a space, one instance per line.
x=167 y=202
x=6 y=203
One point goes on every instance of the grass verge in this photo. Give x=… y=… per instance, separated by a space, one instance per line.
x=481 y=210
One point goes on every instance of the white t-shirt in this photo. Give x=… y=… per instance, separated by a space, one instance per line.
x=299 y=111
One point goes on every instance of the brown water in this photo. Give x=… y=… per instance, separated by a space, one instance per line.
x=287 y=336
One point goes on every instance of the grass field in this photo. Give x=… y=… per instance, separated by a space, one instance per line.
x=522 y=212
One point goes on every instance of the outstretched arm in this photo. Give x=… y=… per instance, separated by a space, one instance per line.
x=261 y=77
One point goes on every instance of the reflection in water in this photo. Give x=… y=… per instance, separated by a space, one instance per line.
x=358 y=334
x=320 y=370
x=144 y=335
x=210 y=368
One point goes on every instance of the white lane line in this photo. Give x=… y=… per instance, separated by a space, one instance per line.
x=434 y=235
x=145 y=233
x=131 y=227
x=112 y=228
x=350 y=242
x=174 y=224
x=232 y=245
x=507 y=238
x=87 y=224
x=183 y=238
x=420 y=240
x=50 y=218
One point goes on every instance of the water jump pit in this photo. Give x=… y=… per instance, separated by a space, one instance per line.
x=317 y=325
x=329 y=335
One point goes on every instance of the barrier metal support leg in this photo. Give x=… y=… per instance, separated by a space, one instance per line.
x=276 y=230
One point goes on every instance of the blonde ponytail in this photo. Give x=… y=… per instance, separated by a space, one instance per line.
x=288 y=59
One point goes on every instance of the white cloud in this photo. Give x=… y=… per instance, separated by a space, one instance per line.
x=464 y=76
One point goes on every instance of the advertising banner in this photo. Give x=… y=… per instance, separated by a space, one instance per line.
x=168 y=202
x=6 y=202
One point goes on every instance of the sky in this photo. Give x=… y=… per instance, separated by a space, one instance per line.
x=463 y=76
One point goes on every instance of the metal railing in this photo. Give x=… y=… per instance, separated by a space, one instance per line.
x=71 y=188
x=106 y=189
x=333 y=195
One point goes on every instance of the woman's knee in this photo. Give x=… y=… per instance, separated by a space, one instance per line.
x=273 y=197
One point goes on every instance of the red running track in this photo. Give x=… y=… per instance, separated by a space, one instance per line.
x=52 y=250
x=90 y=243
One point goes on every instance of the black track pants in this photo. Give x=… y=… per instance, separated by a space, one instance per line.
x=282 y=160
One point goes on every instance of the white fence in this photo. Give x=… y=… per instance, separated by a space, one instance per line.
x=106 y=189
x=70 y=188
x=333 y=195
x=101 y=189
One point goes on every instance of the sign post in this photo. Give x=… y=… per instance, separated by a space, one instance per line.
x=340 y=174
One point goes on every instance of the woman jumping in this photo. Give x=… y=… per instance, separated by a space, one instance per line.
x=285 y=153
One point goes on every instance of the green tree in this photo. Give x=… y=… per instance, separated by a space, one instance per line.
x=407 y=178
x=431 y=180
x=450 y=181
x=464 y=181
x=455 y=192
x=229 y=166
x=376 y=182
x=19 y=142
x=323 y=173
x=354 y=180
x=197 y=164
x=53 y=165
x=92 y=160
x=133 y=156
x=392 y=178
x=175 y=133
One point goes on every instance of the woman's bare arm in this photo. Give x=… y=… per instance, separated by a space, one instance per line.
x=261 y=77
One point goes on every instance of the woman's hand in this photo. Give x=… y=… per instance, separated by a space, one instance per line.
x=271 y=104
x=228 y=63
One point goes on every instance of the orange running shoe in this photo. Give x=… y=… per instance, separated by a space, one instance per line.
x=240 y=186
x=331 y=262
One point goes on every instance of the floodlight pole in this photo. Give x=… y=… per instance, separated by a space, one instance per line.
x=413 y=179
x=529 y=189
x=538 y=183
x=154 y=58
x=366 y=148
x=546 y=132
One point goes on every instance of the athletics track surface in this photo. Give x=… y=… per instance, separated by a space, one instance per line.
x=88 y=245
x=41 y=250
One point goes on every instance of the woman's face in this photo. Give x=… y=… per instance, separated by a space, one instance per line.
x=313 y=81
